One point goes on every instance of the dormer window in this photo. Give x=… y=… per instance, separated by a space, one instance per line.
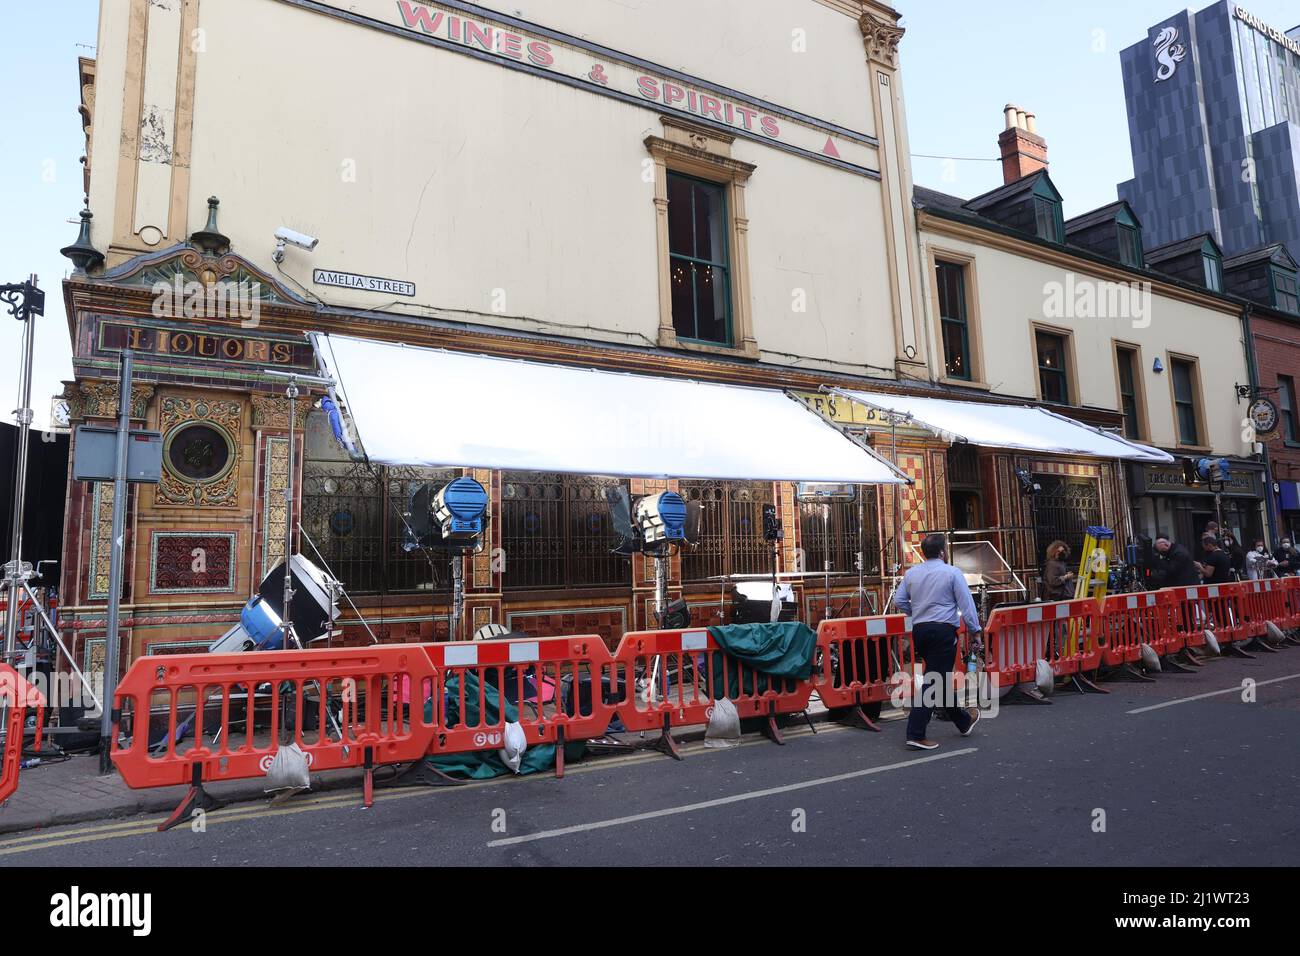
x=1130 y=240
x=1213 y=264
x=1049 y=221
x=1286 y=296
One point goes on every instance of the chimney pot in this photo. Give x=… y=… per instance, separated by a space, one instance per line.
x=1023 y=151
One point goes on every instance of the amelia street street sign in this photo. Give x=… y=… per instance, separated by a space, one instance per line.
x=348 y=280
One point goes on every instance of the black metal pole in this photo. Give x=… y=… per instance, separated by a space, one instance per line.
x=115 y=564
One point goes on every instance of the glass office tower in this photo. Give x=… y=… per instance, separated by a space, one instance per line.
x=1214 y=123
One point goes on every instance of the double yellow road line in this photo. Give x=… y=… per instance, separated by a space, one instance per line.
x=94 y=833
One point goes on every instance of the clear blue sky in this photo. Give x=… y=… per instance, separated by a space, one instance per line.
x=962 y=61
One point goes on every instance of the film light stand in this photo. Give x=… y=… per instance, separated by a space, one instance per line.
x=25 y=301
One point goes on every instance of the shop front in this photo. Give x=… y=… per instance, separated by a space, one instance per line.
x=1164 y=503
x=1288 y=505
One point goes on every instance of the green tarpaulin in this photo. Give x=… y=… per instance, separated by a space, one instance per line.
x=485 y=764
x=780 y=653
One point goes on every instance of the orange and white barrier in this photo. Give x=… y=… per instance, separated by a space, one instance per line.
x=1291 y=601
x=1214 y=607
x=1127 y=621
x=544 y=679
x=859 y=660
x=224 y=716
x=1066 y=634
x=682 y=674
x=17 y=699
x=191 y=719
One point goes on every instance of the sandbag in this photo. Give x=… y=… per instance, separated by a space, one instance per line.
x=515 y=743
x=289 y=770
x=724 y=726
x=1044 y=678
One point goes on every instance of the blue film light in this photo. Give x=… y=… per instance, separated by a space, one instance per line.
x=662 y=518
x=458 y=509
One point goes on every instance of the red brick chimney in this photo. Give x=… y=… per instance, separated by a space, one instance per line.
x=1023 y=150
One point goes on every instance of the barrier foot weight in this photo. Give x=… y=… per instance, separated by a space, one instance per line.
x=1236 y=650
x=419 y=774
x=196 y=799
x=1133 y=673
x=1293 y=640
x=771 y=731
x=858 y=719
x=1085 y=686
x=1180 y=663
x=667 y=744
x=1259 y=644
x=1022 y=695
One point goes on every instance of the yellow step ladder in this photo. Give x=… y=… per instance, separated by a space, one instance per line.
x=1095 y=561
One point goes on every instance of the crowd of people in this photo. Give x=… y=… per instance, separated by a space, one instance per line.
x=1221 y=560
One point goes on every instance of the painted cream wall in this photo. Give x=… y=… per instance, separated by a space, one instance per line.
x=746 y=45
x=110 y=67
x=509 y=199
x=1012 y=296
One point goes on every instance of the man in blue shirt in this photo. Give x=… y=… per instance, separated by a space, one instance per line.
x=936 y=597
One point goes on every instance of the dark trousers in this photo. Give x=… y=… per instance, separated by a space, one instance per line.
x=937 y=643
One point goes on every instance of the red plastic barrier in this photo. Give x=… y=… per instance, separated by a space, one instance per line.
x=1291 y=601
x=859 y=661
x=350 y=696
x=1063 y=633
x=681 y=689
x=563 y=688
x=17 y=698
x=1194 y=609
x=1127 y=621
x=1261 y=602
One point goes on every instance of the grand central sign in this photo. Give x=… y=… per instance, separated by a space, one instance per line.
x=1272 y=32
x=494 y=37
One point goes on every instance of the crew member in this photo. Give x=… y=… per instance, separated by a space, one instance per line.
x=937 y=598
x=1216 y=565
x=1058 y=579
x=1175 y=567
x=1288 y=559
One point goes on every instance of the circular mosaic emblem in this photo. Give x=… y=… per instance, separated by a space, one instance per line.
x=199 y=452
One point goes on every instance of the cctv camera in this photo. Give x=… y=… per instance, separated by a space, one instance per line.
x=299 y=239
x=286 y=235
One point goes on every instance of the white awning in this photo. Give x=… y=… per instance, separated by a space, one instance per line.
x=419 y=406
x=1021 y=427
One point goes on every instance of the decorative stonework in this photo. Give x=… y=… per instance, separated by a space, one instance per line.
x=101 y=539
x=482 y=560
x=881 y=37
x=272 y=411
x=191 y=265
x=273 y=508
x=99 y=400
x=184 y=563
x=222 y=491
